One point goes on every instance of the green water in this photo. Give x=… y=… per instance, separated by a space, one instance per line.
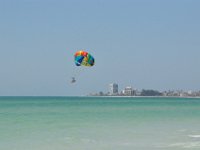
x=99 y=123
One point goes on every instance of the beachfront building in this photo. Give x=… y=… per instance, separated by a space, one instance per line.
x=113 y=89
x=128 y=91
x=137 y=92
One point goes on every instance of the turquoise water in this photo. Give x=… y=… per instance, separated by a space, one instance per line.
x=99 y=123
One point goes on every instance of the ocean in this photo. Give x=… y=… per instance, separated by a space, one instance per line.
x=99 y=123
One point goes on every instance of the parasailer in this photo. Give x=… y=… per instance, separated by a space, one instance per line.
x=82 y=58
x=73 y=80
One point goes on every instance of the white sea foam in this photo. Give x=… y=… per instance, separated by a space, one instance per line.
x=179 y=145
x=87 y=140
x=182 y=130
x=126 y=144
x=68 y=138
x=194 y=136
x=185 y=145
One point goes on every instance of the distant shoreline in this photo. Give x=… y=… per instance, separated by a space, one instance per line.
x=108 y=96
x=148 y=96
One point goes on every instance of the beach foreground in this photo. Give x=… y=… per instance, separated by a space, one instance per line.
x=99 y=123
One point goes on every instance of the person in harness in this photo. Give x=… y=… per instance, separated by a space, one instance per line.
x=73 y=80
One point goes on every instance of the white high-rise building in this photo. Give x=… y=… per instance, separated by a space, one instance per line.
x=128 y=91
x=113 y=89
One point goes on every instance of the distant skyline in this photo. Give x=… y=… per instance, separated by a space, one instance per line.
x=145 y=44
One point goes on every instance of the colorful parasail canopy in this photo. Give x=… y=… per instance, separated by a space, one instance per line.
x=83 y=58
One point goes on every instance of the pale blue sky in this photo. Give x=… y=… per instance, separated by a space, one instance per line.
x=146 y=44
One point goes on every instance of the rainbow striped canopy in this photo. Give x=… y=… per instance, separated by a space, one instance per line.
x=83 y=58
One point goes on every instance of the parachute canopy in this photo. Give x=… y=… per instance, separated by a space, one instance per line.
x=83 y=58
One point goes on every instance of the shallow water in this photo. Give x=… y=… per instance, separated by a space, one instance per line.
x=99 y=123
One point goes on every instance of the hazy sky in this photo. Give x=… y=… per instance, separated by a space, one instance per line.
x=146 y=44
